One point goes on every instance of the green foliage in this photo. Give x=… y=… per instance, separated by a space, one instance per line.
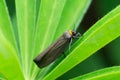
x=112 y=73
x=97 y=36
x=2 y=77
x=37 y=24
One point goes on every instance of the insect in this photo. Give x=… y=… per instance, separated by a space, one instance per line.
x=56 y=49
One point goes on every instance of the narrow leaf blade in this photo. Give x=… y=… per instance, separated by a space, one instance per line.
x=112 y=73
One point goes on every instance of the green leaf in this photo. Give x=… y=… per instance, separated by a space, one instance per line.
x=112 y=73
x=100 y=34
x=2 y=77
x=9 y=63
x=26 y=11
x=5 y=24
x=95 y=62
x=10 y=66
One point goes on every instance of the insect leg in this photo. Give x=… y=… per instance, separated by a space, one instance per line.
x=77 y=35
x=70 y=44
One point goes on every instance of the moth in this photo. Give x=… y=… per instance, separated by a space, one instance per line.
x=56 y=49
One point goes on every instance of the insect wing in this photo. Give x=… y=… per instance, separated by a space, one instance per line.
x=52 y=52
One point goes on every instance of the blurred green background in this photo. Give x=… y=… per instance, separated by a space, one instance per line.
x=106 y=57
